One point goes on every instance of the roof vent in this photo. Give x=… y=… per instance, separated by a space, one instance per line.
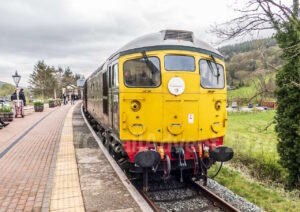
x=179 y=35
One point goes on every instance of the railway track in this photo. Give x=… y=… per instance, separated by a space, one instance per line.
x=171 y=195
x=187 y=196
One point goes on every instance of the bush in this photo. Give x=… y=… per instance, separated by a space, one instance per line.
x=38 y=103
x=6 y=109
x=288 y=96
x=51 y=102
x=38 y=106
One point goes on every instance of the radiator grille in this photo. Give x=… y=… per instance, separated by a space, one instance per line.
x=179 y=35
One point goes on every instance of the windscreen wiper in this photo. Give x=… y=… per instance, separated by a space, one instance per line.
x=218 y=71
x=149 y=63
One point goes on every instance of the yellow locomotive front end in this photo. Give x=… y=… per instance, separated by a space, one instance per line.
x=162 y=104
x=182 y=100
x=173 y=110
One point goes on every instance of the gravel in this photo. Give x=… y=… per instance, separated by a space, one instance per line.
x=239 y=202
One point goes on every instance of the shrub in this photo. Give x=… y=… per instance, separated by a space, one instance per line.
x=38 y=106
x=38 y=103
x=50 y=101
x=288 y=95
x=6 y=109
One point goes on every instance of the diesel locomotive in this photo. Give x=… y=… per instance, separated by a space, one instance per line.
x=159 y=105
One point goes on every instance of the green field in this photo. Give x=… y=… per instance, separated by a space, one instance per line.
x=249 y=90
x=255 y=173
x=248 y=134
x=254 y=141
x=245 y=92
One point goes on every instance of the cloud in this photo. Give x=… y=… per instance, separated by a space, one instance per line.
x=83 y=33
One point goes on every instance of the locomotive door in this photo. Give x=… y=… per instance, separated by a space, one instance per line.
x=110 y=96
x=113 y=97
x=105 y=97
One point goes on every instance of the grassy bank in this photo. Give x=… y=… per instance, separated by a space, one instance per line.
x=254 y=141
x=252 y=134
x=254 y=173
x=266 y=198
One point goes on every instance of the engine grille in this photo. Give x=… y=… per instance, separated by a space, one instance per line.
x=179 y=35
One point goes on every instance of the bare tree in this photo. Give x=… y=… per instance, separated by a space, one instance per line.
x=255 y=16
x=284 y=19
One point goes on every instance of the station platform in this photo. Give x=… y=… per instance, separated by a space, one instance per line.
x=50 y=161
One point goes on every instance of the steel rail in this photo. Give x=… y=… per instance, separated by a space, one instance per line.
x=217 y=201
x=149 y=201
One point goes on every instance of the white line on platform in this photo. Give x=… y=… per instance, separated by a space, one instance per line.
x=132 y=190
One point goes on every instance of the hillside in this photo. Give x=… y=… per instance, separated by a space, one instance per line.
x=6 y=89
x=251 y=67
x=249 y=59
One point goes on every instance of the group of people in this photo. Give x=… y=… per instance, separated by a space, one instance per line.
x=21 y=96
x=72 y=98
x=14 y=97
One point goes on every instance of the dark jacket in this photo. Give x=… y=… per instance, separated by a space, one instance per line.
x=13 y=96
x=22 y=97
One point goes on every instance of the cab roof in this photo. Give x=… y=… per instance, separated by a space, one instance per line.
x=168 y=40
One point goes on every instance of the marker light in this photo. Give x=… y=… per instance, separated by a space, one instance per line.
x=200 y=150
x=161 y=151
x=135 y=105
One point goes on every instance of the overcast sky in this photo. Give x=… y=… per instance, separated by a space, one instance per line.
x=81 y=34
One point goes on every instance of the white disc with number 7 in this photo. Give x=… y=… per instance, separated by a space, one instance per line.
x=176 y=86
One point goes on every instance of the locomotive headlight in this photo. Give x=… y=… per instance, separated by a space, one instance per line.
x=135 y=105
x=218 y=105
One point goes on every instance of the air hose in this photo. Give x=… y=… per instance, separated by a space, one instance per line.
x=216 y=174
x=167 y=167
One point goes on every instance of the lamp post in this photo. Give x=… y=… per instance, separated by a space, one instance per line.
x=16 y=77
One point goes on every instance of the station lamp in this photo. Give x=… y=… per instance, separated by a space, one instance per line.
x=16 y=77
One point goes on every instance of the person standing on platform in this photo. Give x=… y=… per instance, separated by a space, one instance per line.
x=65 y=98
x=72 y=98
x=22 y=96
x=13 y=96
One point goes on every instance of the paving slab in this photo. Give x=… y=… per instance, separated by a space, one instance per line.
x=101 y=188
x=20 y=125
x=25 y=167
x=66 y=193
